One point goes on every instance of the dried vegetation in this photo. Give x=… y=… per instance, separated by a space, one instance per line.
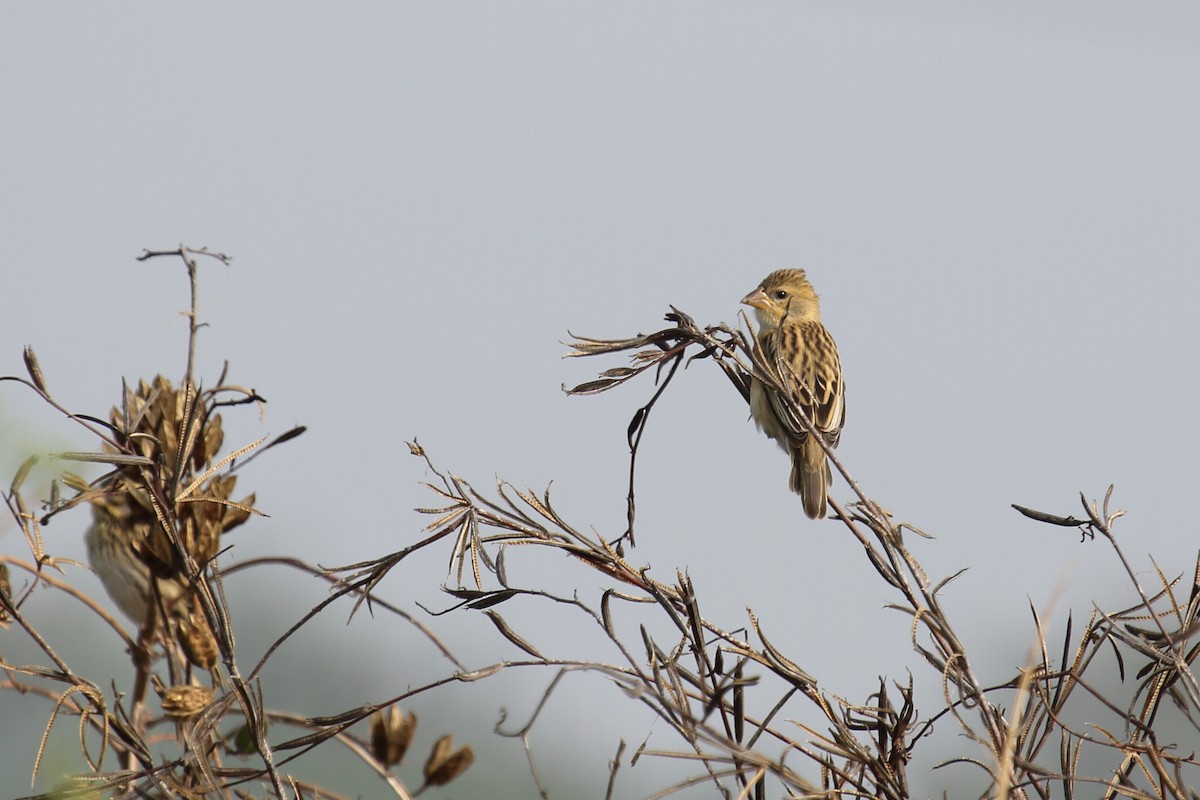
x=730 y=696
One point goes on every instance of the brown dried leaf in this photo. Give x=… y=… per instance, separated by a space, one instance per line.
x=593 y=387
x=6 y=591
x=22 y=473
x=512 y=635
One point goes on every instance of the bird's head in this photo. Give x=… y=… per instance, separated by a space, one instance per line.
x=784 y=293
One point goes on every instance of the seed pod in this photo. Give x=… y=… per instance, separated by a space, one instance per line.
x=444 y=766
x=391 y=734
x=182 y=702
x=197 y=640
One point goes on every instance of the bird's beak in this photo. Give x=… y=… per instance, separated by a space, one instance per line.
x=757 y=299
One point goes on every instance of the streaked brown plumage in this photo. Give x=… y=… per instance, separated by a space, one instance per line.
x=794 y=340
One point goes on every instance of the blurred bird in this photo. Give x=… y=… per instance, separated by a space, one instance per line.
x=796 y=343
x=126 y=544
x=118 y=552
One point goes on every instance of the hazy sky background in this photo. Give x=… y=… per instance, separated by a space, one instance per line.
x=997 y=203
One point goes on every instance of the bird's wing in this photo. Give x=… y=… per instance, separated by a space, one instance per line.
x=813 y=378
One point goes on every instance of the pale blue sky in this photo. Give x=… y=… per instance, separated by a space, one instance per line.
x=997 y=203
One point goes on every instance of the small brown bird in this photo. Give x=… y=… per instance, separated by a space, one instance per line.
x=118 y=552
x=794 y=340
x=126 y=544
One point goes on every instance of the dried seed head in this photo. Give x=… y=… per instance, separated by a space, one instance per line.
x=177 y=430
x=391 y=734
x=199 y=644
x=182 y=702
x=162 y=421
x=444 y=766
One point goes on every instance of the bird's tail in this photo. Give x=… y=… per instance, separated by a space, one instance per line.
x=811 y=477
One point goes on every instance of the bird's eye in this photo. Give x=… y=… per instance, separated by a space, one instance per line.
x=780 y=294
